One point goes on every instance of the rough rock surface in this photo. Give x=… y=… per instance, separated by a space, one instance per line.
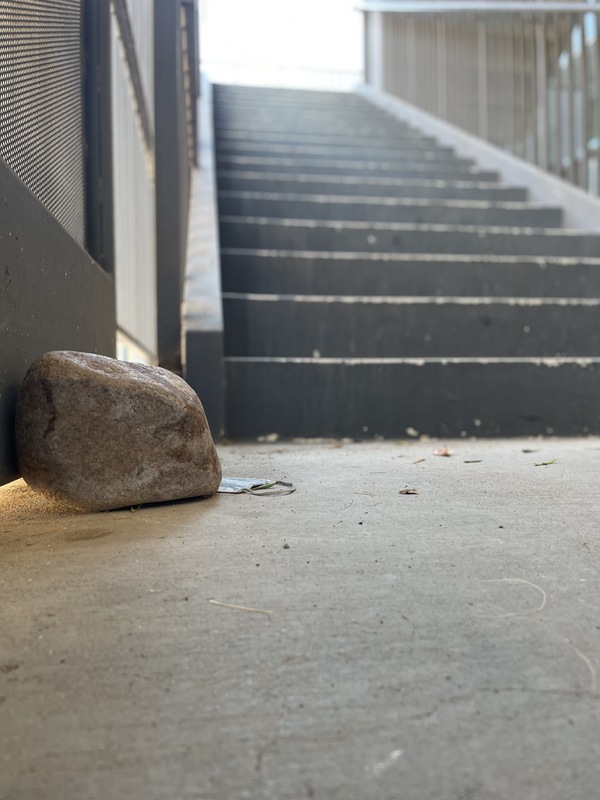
x=100 y=433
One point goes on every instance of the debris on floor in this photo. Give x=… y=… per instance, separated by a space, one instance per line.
x=258 y=486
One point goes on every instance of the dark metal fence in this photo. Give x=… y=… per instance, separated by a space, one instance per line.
x=176 y=93
x=97 y=143
x=41 y=104
x=523 y=75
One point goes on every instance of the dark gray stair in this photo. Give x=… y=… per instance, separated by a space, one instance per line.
x=309 y=326
x=399 y=168
x=361 y=152
x=376 y=284
x=398 y=237
x=353 y=186
x=350 y=138
x=391 y=209
x=407 y=274
x=395 y=397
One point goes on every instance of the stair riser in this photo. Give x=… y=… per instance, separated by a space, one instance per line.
x=312 y=127
x=483 y=242
x=430 y=213
x=427 y=155
x=289 y=275
x=357 y=186
x=348 y=139
x=366 y=400
x=307 y=120
x=440 y=171
x=285 y=328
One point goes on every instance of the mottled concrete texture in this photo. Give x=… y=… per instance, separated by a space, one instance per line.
x=442 y=645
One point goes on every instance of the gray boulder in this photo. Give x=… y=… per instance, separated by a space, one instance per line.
x=100 y=433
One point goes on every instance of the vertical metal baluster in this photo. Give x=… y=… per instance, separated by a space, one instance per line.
x=520 y=87
x=530 y=96
x=432 y=69
x=593 y=133
x=451 y=59
x=464 y=71
x=583 y=106
x=482 y=74
x=442 y=69
x=402 y=71
x=473 y=66
x=393 y=48
x=572 y=106
x=389 y=44
x=504 y=116
x=511 y=70
x=450 y=76
x=554 y=133
x=541 y=92
x=460 y=67
x=566 y=89
x=516 y=84
x=411 y=56
x=494 y=85
x=422 y=68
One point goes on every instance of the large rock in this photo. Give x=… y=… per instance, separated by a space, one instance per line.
x=100 y=433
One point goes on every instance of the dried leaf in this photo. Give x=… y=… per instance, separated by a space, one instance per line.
x=443 y=451
x=420 y=461
x=546 y=463
x=409 y=491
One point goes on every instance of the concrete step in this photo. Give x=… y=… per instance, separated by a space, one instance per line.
x=382 y=209
x=296 y=99
x=268 y=94
x=405 y=327
x=337 y=236
x=376 y=284
x=368 y=186
x=338 y=151
x=348 y=138
x=336 y=108
x=359 y=124
x=364 y=398
x=306 y=125
x=401 y=138
x=458 y=169
x=410 y=274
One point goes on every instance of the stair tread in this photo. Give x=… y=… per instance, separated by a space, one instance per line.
x=384 y=201
x=464 y=342
x=323 y=361
x=375 y=180
x=468 y=300
x=409 y=226
x=328 y=255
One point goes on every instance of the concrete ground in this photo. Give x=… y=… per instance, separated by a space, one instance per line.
x=441 y=645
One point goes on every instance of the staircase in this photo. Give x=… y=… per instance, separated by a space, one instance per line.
x=375 y=284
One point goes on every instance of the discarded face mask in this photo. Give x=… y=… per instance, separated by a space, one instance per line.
x=258 y=486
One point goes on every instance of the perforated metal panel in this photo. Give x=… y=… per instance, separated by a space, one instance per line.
x=41 y=104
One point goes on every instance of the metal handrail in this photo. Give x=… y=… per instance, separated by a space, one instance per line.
x=454 y=6
x=522 y=75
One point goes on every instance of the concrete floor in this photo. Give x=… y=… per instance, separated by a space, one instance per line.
x=445 y=645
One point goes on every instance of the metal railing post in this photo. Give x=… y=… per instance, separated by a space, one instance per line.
x=523 y=74
x=482 y=76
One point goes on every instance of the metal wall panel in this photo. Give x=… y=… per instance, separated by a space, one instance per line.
x=141 y=14
x=41 y=104
x=134 y=207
